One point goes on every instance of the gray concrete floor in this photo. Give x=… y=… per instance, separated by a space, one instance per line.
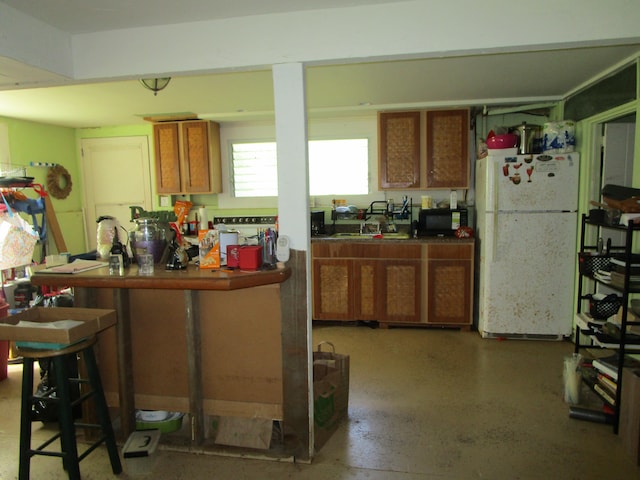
x=424 y=404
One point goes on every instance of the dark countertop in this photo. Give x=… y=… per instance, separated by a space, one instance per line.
x=192 y=278
x=420 y=240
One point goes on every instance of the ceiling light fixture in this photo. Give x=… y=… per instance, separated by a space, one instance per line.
x=155 y=84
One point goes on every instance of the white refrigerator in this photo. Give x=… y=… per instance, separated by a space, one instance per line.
x=527 y=225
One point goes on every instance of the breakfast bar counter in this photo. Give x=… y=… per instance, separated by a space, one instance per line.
x=206 y=342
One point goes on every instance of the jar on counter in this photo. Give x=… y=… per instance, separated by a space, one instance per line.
x=148 y=238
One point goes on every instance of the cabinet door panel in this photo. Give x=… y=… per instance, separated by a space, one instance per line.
x=365 y=289
x=167 y=154
x=332 y=285
x=399 y=150
x=400 y=281
x=449 y=292
x=196 y=171
x=448 y=149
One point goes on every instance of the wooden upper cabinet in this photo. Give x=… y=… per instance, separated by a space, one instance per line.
x=399 y=150
x=167 y=150
x=448 y=149
x=187 y=157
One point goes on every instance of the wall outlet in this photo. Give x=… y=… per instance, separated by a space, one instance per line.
x=165 y=201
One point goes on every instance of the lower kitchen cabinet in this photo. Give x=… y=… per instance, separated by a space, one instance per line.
x=448 y=291
x=387 y=290
x=332 y=286
x=403 y=282
x=370 y=282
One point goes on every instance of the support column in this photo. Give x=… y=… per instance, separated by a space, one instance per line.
x=293 y=219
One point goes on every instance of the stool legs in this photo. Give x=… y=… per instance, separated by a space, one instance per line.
x=102 y=410
x=25 y=419
x=67 y=433
x=65 y=419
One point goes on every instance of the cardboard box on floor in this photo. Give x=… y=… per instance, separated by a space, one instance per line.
x=244 y=432
x=630 y=413
x=330 y=392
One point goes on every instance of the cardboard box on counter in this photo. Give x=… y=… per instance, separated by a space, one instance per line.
x=209 y=248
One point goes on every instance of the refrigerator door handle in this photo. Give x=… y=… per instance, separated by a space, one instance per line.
x=493 y=190
x=493 y=256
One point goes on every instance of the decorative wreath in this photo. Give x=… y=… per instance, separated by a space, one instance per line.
x=59 y=182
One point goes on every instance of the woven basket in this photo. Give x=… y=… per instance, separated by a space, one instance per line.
x=605 y=308
x=589 y=264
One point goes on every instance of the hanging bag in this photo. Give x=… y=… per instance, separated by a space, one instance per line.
x=17 y=240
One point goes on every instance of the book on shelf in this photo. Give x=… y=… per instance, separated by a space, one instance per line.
x=633 y=270
x=603 y=275
x=605 y=394
x=631 y=339
x=617 y=279
x=622 y=261
x=609 y=365
x=608 y=383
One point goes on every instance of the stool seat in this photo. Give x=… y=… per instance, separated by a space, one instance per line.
x=60 y=394
x=38 y=353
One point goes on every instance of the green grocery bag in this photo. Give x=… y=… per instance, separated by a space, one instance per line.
x=330 y=392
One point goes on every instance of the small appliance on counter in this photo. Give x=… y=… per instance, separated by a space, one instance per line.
x=317 y=223
x=441 y=222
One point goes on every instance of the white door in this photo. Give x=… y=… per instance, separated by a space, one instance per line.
x=116 y=175
x=617 y=162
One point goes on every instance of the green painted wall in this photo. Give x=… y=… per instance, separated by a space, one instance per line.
x=119 y=131
x=35 y=142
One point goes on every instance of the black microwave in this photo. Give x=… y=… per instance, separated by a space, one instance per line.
x=441 y=222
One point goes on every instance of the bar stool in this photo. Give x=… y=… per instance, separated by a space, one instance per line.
x=67 y=431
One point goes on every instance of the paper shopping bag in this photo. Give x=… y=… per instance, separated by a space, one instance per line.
x=330 y=392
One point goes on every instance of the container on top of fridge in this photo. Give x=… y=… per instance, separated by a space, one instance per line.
x=559 y=137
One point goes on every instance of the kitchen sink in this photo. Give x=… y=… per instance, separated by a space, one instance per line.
x=382 y=236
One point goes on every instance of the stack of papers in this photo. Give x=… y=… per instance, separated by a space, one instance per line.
x=603 y=275
x=76 y=266
x=65 y=324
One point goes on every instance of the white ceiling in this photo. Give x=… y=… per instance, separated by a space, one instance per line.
x=83 y=16
x=496 y=79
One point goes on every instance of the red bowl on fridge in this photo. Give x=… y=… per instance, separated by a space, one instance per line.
x=508 y=140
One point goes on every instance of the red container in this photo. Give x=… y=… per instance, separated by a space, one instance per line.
x=4 y=345
x=250 y=257
x=508 y=140
x=233 y=256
